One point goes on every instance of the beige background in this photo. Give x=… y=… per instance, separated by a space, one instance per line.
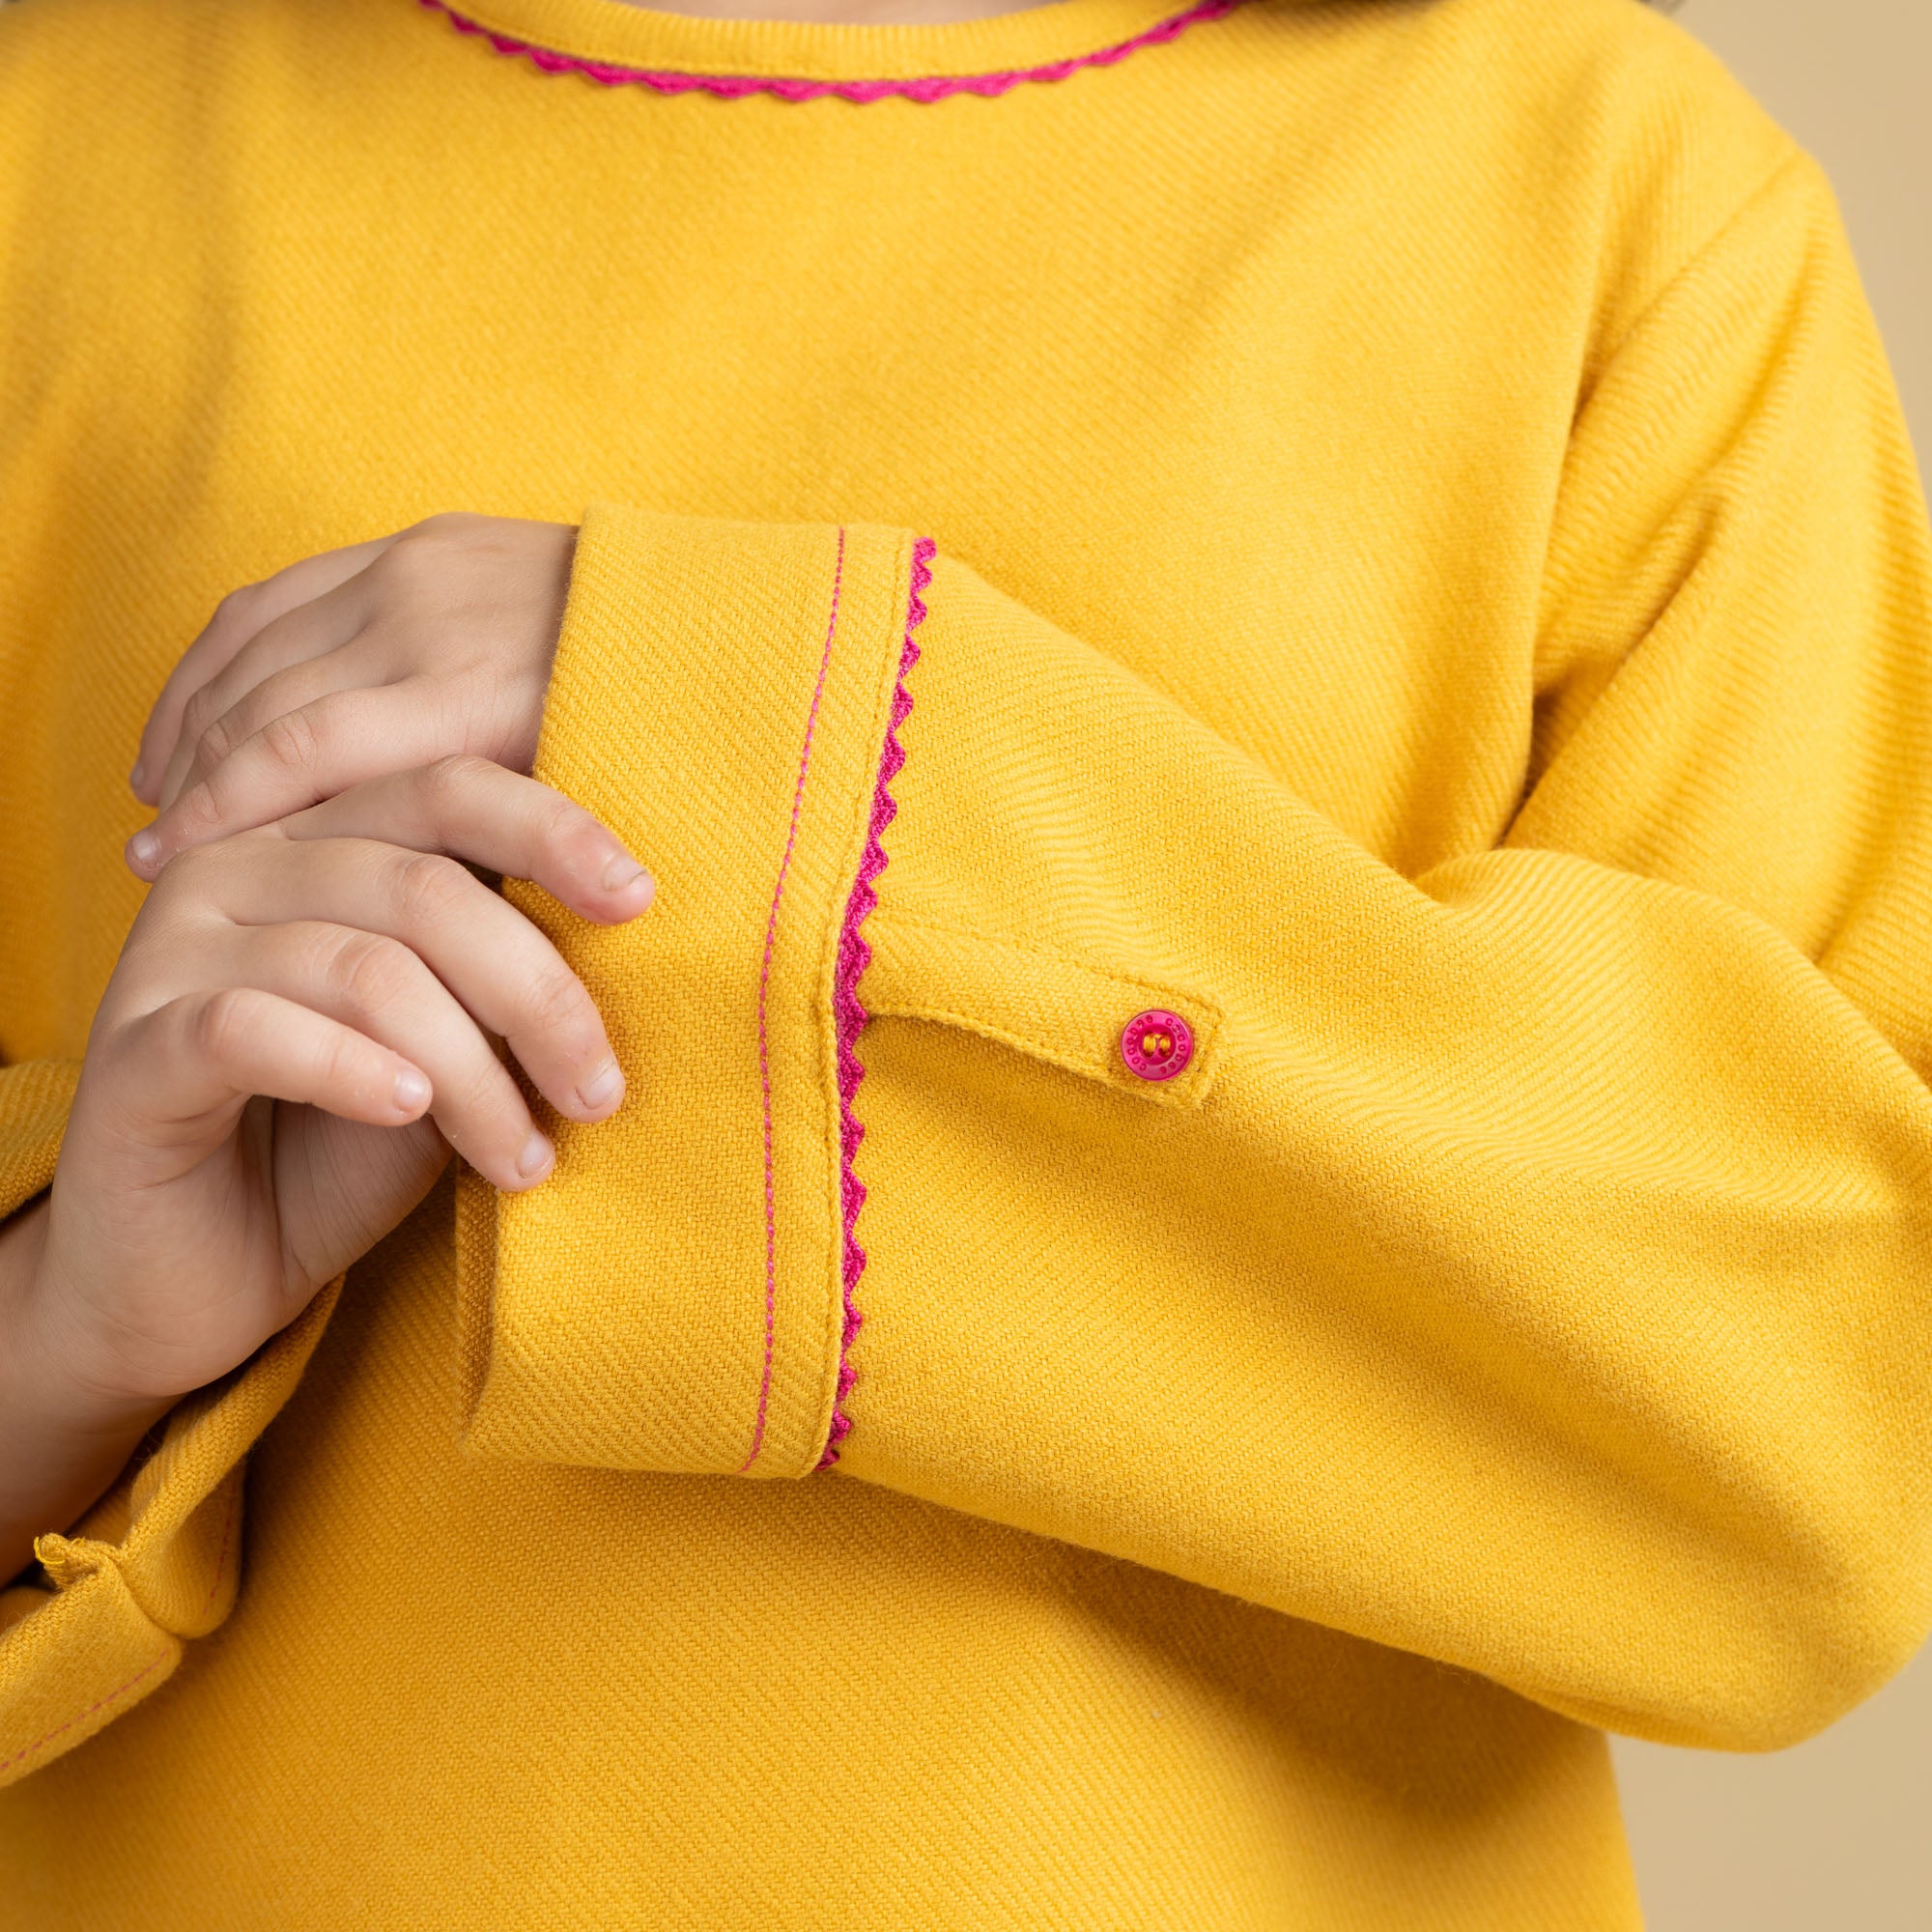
x=1836 y=1835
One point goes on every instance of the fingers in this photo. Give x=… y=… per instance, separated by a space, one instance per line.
x=377 y=987
x=487 y=816
x=300 y=757
x=301 y=656
x=358 y=909
x=239 y=616
x=204 y=1051
x=502 y=969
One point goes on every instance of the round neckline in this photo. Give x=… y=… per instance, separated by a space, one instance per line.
x=615 y=42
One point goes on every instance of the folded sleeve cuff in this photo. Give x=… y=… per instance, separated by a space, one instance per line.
x=676 y=1297
x=154 y=1563
x=103 y=1619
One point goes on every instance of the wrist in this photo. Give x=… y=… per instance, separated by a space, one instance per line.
x=61 y=1444
x=47 y=1372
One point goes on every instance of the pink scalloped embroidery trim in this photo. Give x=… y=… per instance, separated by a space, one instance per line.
x=849 y=1014
x=922 y=88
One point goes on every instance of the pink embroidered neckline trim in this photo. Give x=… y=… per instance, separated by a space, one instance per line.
x=849 y=1014
x=920 y=88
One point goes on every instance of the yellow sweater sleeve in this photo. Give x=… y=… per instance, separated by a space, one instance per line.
x=1533 y=1268
x=33 y=1100
x=101 y=1622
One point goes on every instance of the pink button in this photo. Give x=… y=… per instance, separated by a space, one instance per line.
x=1156 y=1045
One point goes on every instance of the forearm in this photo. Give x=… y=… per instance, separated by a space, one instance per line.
x=59 y=1448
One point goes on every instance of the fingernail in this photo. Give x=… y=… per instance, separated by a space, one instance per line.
x=602 y=1087
x=144 y=848
x=621 y=871
x=138 y=776
x=411 y=1091
x=534 y=1158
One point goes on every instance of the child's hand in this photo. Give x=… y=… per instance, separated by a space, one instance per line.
x=332 y=961
x=347 y=666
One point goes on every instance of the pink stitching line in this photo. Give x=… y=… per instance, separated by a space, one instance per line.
x=849 y=1014
x=100 y=1704
x=764 y=988
x=227 y=1536
x=922 y=88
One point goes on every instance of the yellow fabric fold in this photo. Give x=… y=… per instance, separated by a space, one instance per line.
x=33 y=1100
x=98 y=1625
x=157 y=1560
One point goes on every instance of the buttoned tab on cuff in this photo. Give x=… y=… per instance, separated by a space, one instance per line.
x=1149 y=1037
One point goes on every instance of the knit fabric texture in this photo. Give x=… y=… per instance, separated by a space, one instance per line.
x=1431 y=592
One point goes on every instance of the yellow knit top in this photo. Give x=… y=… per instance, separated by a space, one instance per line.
x=1431 y=603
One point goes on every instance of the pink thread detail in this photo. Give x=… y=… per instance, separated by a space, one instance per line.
x=98 y=1704
x=922 y=88
x=849 y=1014
x=227 y=1537
x=764 y=989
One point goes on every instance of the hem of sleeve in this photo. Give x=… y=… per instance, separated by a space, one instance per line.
x=71 y=1667
x=724 y=696
x=155 y=1562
